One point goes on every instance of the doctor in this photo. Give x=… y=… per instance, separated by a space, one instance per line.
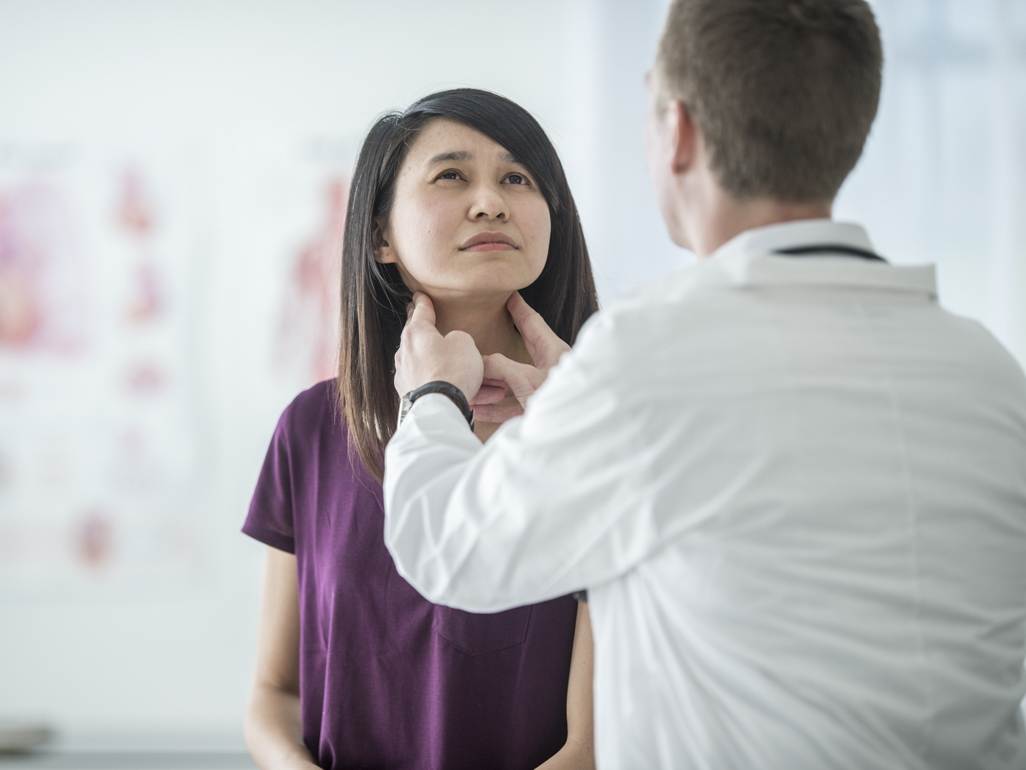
x=793 y=486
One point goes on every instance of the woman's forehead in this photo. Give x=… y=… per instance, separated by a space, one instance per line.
x=444 y=140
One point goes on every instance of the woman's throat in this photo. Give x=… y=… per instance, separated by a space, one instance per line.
x=488 y=323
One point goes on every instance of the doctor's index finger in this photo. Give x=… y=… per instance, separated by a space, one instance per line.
x=421 y=309
x=536 y=333
x=499 y=368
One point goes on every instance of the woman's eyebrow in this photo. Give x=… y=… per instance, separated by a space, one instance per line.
x=458 y=155
x=446 y=157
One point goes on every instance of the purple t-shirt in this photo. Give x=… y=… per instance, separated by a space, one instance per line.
x=388 y=679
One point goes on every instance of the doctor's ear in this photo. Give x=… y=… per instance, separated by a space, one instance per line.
x=683 y=135
x=383 y=251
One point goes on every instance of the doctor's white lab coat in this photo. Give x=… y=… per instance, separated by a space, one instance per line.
x=795 y=489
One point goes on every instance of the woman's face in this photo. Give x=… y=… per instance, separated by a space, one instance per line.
x=467 y=218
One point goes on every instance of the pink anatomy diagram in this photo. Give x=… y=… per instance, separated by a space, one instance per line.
x=41 y=305
x=307 y=337
x=135 y=217
x=106 y=476
x=97 y=445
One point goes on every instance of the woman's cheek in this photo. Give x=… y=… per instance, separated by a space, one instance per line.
x=426 y=257
x=540 y=247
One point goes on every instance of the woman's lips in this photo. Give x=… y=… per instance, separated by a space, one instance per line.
x=489 y=246
x=493 y=241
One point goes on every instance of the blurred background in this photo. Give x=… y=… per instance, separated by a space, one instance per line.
x=172 y=185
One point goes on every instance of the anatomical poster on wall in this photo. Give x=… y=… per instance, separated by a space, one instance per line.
x=157 y=310
x=101 y=441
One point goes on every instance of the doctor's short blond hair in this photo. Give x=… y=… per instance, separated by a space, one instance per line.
x=783 y=91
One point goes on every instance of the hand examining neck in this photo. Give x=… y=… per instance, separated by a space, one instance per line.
x=488 y=321
x=445 y=348
x=497 y=385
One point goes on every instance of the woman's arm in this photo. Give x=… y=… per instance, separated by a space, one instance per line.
x=274 y=733
x=579 y=750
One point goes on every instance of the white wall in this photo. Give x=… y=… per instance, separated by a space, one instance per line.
x=941 y=180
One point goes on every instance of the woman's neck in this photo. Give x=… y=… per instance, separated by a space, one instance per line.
x=486 y=320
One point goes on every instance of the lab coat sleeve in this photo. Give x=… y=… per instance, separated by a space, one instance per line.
x=556 y=501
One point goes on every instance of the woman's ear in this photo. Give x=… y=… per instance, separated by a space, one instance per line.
x=383 y=252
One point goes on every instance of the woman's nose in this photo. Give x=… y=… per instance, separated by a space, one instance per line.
x=488 y=204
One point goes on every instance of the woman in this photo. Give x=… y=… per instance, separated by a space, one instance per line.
x=463 y=197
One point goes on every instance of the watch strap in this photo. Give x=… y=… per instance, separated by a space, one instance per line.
x=446 y=389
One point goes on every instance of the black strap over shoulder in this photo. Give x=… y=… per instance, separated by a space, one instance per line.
x=831 y=248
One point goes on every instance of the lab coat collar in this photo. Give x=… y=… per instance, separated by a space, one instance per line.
x=749 y=259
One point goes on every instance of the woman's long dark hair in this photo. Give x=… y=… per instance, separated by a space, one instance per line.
x=374 y=297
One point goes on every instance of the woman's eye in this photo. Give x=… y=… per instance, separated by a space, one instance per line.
x=517 y=179
x=449 y=175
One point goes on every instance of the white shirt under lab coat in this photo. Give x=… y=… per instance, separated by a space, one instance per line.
x=795 y=489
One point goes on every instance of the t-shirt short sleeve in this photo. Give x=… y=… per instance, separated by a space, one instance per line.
x=270 y=518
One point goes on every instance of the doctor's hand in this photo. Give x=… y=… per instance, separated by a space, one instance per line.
x=520 y=380
x=425 y=356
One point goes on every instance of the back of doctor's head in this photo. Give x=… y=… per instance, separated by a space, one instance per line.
x=783 y=91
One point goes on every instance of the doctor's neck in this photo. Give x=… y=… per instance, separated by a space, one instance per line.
x=485 y=318
x=703 y=215
x=716 y=217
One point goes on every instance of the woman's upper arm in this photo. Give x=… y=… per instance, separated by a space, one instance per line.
x=578 y=753
x=277 y=663
x=580 y=720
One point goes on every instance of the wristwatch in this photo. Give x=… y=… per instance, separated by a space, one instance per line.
x=446 y=389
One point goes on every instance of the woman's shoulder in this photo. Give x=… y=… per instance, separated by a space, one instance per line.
x=315 y=399
x=313 y=428
x=313 y=421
